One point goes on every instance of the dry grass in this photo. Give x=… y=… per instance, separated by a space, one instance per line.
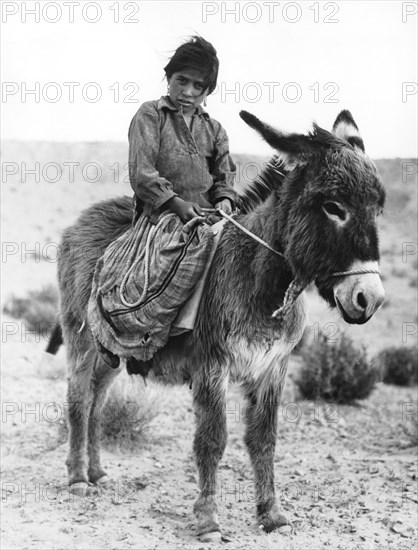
x=398 y=365
x=339 y=372
x=128 y=412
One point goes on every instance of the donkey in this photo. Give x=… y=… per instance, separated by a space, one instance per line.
x=315 y=204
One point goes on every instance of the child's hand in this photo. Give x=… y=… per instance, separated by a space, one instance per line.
x=187 y=227
x=186 y=211
x=225 y=205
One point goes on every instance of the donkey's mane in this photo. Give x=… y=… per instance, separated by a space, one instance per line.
x=270 y=178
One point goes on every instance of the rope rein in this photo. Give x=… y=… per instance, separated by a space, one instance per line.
x=296 y=287
x=355 y=272
x=250 y=234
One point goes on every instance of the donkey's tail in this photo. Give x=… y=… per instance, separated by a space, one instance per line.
x=56 y=340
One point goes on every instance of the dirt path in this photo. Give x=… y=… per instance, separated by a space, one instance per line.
x=345 y=476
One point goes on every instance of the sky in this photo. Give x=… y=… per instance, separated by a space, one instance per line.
x=90 y=65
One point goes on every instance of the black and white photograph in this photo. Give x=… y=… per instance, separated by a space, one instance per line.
x=209 y=275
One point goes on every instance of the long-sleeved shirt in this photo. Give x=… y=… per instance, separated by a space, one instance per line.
x=168 y=159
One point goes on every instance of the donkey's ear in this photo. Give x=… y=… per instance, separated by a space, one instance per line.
x=345 y=128
x=292 y=148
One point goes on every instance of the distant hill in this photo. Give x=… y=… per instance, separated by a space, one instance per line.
x=113 y=155
x=106 y=162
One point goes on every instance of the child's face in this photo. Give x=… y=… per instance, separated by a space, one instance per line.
x=187 y=90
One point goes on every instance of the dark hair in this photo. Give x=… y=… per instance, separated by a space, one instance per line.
x=198 y=54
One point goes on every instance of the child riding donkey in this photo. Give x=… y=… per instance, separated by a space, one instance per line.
x=179 y=163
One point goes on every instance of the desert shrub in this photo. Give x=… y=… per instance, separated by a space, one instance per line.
x=337 y=372
x=126 y=415
x=128 y=411
x=398 y=365
x=39 y=308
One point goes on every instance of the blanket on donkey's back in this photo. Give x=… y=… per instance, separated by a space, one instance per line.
x=187 y=314
x=142 y=280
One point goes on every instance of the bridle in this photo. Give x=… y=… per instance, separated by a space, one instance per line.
x=296 y=287
x=249 y=233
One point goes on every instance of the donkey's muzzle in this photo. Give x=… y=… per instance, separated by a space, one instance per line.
x=352 y=321
x=359 y=296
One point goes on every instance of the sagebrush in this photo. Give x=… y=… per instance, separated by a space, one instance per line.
x=39 y=308
x=336 y=371
x=398 y=365
x=128 y=411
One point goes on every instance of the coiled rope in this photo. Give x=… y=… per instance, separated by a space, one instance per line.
x=146 y=253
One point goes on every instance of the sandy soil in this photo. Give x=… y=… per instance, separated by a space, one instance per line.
x=346 y=476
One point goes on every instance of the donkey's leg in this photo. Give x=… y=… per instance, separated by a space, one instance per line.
x=103 y=378
x=209 y=445
x=260 y=438
x=80 y=398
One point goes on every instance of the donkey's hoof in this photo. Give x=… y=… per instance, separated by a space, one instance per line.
x=213 y=536
x=274 y=522
x=105 y=482
x=81 y=489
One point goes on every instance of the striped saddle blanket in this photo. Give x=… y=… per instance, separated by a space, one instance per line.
x=142 y=280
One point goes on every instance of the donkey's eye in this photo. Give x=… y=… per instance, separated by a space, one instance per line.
x=334 y=209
